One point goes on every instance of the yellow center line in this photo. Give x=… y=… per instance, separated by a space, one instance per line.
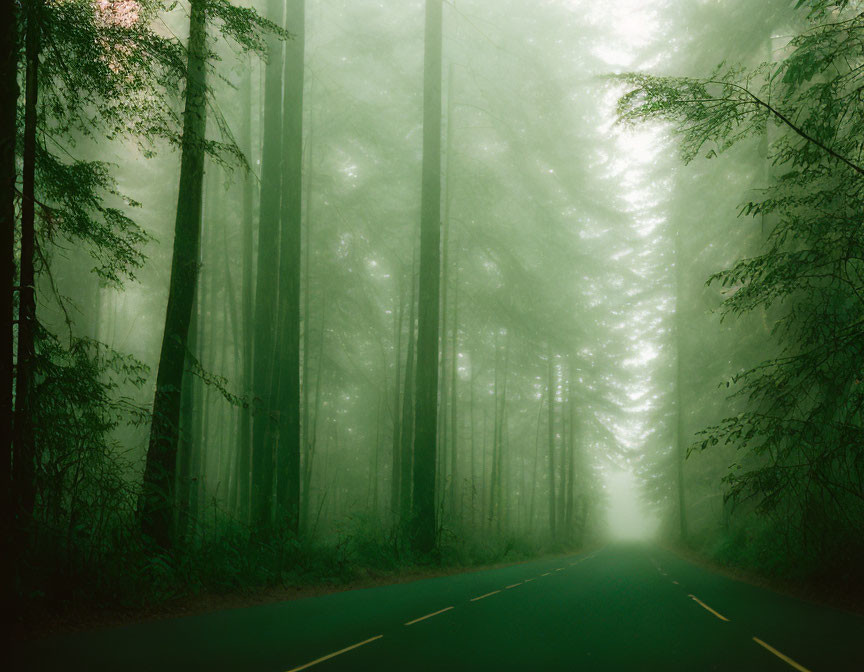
x=785 y=659
x=676 y=583
x=546 y=574
x=705 y=606
x=513 y=585
x=560 y=569
x=423 y=618
x=474 y=599
x=333 y=655
x=527 y=580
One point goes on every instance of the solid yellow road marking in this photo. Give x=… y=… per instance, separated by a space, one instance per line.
x=333 y=655
x=705 y=606
x=513 y=585
x=423 y=618
x=785 y=659
x=474 y=599
x=527 y=580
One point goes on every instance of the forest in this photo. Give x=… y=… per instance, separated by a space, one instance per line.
x=327 y=293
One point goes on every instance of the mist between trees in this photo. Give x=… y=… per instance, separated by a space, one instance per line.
x=301 y=290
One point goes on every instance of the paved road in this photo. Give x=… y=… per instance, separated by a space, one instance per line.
x=624 y=607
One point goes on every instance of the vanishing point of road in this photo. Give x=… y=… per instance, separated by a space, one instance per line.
x=623 y=607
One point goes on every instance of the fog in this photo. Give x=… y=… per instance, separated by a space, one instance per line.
x=378 y=285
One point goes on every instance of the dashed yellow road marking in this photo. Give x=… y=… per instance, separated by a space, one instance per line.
x=333 y=655
x=513 y=585
x=546 y=574
x=527 y=580
x=784 y=658
x=705 y=606
x=676 y=583
x=474 y=599
x=423 y=618
x=560 y=569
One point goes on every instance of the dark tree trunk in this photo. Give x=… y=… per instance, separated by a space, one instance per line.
x=680 y=447
x=156 y=506
x=454 y=416
x=8 y=136
x=312 y=427
x=24 y=445
x=306 y=431
x=8 y=139
x=496 y=455
x=396 y=461
x=266 y=288
x=288 y=361
x=244 y=441
x=550 y=398
x=408 y=408
x=423 y=512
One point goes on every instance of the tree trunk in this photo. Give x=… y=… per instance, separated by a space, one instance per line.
x=312 y=432
x=24 y=446
x=305 y=428
x=550 y=398
x=408 y=408
x=454 y=415
x=493 y=476
x=157 y=497
x=244 y=440
x=571 y=461
x=266 y=288
x=396 y=461
x=288 y=362
x=536 y=464
x=425 y=528
x=472 y=443
x=8 y=138
x=8 y=177
x=680 y=448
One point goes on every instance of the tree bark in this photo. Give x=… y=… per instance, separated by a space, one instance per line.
x=550 y=398
x=396 y=461
x=288 y=361
x=244 y=439
x=24 y=445
x=8 y=139
x=408 y=408
x=266 y=287
x=8 y=177
x=680 y=448
x=156 y=507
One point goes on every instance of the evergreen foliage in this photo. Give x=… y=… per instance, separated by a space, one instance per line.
x=799 y=434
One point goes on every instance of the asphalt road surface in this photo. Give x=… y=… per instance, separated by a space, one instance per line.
x=624 y=607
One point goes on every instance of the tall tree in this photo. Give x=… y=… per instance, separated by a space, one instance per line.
x=287 y=379
x=409 y=415
x=8 y=177
x=423 y=512
x=680 y=436
x=157 y=497
x=266 y=287
x=550 y=400
x=24 y=444
x=244 y=438
x=8 y=138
